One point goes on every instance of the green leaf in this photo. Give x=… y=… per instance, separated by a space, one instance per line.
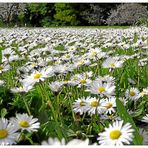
x=3 y=112
x=127 y=118
x=137 y=112
x=140 y=109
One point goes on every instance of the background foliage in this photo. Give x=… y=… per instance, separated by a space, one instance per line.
x=72 y=14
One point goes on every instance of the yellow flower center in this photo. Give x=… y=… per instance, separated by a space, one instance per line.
x=82 y=81
x=81 y=62
x=21 y=88
x=112 y=65
x=1 y=67
x=115 y=134
x=94 y=52
x=65 y=82
x=101 y=89
x=132 y=93
x=3 y=133
x=67 y=56
x=108 y=105
x=57 y=62
x=82 y=103
x=110 y=117
x=33 y=64
x=24 y=124
x=94 y=103
x=71 y=48
x=143 y=93
x=37 y=76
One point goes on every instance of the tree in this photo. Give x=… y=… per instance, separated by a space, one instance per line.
x=96 y=14
x=40 y=14
x=93 y=14
x=9 y=11
x=65 y=14
x=127 y=14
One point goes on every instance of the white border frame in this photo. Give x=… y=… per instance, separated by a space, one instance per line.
x=74 y=1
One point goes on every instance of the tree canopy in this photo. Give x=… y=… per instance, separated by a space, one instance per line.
x=72 y=14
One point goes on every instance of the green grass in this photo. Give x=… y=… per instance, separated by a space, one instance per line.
x=54 y=109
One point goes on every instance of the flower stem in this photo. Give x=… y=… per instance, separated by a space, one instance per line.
x=27 y=107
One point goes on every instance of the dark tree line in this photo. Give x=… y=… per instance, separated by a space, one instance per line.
x=72 y=14
x=61 y=14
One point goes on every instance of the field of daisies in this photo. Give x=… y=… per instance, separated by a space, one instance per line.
x=74 y=86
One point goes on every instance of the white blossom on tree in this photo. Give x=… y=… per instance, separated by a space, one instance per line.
x=8 y=11
x=128 y=14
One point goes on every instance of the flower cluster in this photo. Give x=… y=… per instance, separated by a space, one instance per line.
x=10 y=129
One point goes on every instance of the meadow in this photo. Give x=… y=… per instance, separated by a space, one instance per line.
x=74 y=86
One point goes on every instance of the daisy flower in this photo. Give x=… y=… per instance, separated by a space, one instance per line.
x=110 y=117
x=109 y=104
x=38 y=76
x=103 y=89
x=106 y=79
x=7 y=52
x=8 y=134
x=145 y=118
x=144 y=92
x=123 y=100
x=21 y=89
x=4 y=67
x=62 y=69
x=116 y=134
x=79 y=142
x=35 y=77
x=80 y=105
x=95 y=53
x=56 y=86
x=25 y=122
x=71 y=48
x=67 y=57
x=81 y=62
x=80 y=79
x=112 y=63
x=95 y=106
x=144 y=135
x=83 y=80
x=131 y=81
x=88 y=74
x=9 y=55
x=74 y=80
x=133 y=94
x=54 y=141
x=2 y=82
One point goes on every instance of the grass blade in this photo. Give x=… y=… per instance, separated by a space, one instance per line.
x=127 y=118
